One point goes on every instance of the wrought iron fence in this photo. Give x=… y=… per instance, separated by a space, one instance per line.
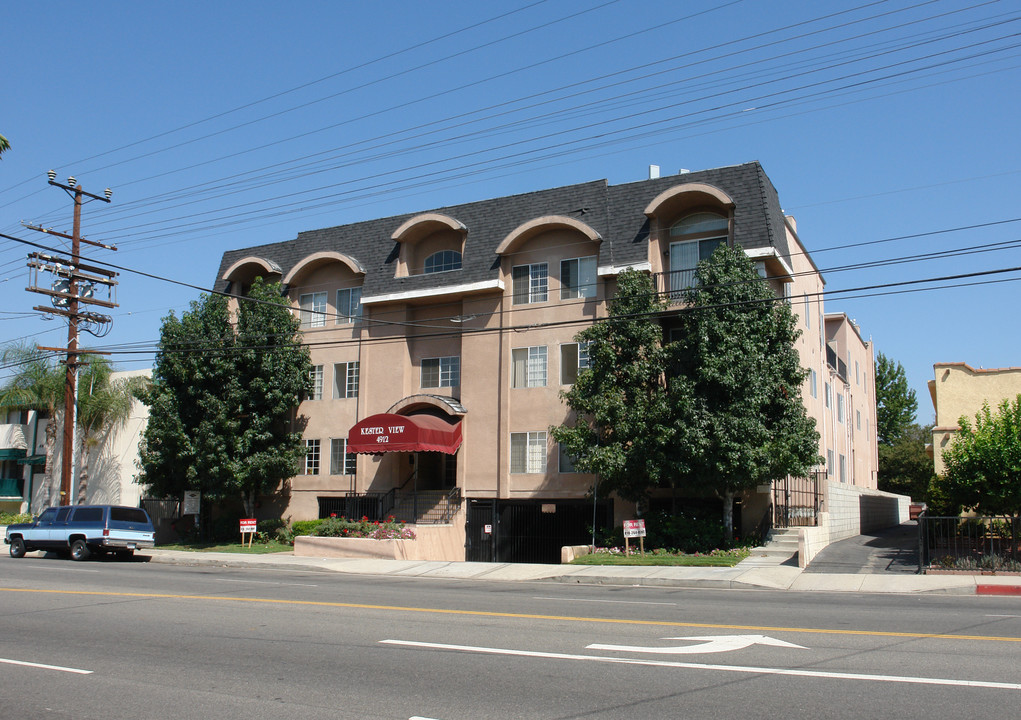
x=796 y=502
x=374 y=506
x=969 y=543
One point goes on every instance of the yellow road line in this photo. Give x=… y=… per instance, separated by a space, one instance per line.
x=524 y=616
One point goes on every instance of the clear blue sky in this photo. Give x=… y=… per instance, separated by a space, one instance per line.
x=223 y=125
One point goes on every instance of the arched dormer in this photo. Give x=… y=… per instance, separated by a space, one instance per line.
x=678 y=198
x=429 y=243
x=316 y=260
x=242 y=274
x=687 y=223
x=523 y=233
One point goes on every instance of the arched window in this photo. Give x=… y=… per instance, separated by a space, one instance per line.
x=694 y=238
x=442 y=261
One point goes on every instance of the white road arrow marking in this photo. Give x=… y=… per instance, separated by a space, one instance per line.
x=708 y=644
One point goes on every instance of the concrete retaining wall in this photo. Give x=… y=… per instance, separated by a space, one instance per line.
x=851 y=511
x=433 y=542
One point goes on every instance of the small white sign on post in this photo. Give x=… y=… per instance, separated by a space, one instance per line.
x=248 y=525
x=634 y=528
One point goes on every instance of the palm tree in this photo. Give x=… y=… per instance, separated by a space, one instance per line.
x=37 y=384
x=4 y=145
x=103 y=404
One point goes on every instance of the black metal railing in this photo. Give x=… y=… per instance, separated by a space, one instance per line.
x=796 y=502
x=765 y=525
x=977 y=544
x=374 y=506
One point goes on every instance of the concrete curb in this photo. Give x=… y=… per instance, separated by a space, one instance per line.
x=783 y=578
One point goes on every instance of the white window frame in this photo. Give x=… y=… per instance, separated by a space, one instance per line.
x=447 y=372
x=813 y=384
x=528 y=453
x=353 y=303
x=349 y=372
x=530 y=283
x=312 y=453
x=840 y=408
x=312 y=310
x=449 y=260
x=316 y=376
x=829 y=463
x=341 y=461
x=584 y=274
x=534 y=362
x=829 y=395
x=843 y=468
x=574 y=357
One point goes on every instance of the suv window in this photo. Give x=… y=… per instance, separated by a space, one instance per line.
x=63 y=513
x=122 y=514
x=88 y=514
x=49 y=515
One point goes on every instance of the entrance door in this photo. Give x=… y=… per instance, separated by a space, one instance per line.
x=480 y=530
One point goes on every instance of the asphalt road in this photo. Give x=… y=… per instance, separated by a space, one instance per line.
x=138 y=640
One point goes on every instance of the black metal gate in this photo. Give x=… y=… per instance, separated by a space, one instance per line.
x=164 y=513
x=796 y=502
x=529 y=531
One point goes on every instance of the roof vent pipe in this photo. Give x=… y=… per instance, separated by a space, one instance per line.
x=653 y=172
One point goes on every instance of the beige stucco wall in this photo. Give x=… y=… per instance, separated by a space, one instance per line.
x=960 y=390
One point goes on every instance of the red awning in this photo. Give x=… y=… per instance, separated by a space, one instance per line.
x=404 y=433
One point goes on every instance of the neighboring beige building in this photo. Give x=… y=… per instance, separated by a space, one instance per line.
x=441 y=342
x=959 y=390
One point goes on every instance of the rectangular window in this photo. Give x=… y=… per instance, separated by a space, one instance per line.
x=441 y=372
x=531 y=283
x=857 y=418
x=349 y=305
x=311 y=457
x=565 y=461
x=341 y=461
x=578 y=278
x=528 y=452
x=808 y=313
x=313 y=310
x=316 y=376
x=345 y=380
x=685 y=257
x=843 y=468
x=529 y=367
x=840 y=407
x=812 y=384
x=857 y=373
x=829 y=463
x=829 y=393
x=573 y=357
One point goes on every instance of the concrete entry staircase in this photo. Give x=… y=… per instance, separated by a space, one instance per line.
x=780 y=549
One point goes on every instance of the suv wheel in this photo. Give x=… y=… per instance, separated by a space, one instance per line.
x=17 y=547
x=79 y=550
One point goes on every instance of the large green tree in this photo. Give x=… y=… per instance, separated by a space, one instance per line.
x=742 y=422
x=983 y=462
x=904 y=465
x=37 y=383
x=622 y=426
x=896 y=404
x=222 y=402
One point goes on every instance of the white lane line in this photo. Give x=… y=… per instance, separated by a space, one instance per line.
x=266 y=582
x=60 y=568
x=77 y=671
x=705 y=666
x=617 y=602
x=1008 y=616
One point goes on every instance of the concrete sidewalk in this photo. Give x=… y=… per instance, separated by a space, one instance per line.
x=751 y=576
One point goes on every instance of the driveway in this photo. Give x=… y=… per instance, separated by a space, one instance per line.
x=894 y=550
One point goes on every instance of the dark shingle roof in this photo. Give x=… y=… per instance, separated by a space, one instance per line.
x=614 y=211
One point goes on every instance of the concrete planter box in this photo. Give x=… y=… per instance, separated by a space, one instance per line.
x=365 y=548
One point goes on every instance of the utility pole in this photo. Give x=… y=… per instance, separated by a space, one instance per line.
x=74 y=285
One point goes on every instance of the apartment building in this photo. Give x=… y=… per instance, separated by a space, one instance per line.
x=441 y=342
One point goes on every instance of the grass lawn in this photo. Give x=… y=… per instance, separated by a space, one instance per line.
x=721 y=559
x=256 y=549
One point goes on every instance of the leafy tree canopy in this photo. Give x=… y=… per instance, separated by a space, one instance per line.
x=905 y=467
x=622 y=424
x=223 y=397
x=896 y=404
x=983 y=462
x=746 y=424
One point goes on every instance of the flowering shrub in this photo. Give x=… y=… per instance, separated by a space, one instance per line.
x=390 y=529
